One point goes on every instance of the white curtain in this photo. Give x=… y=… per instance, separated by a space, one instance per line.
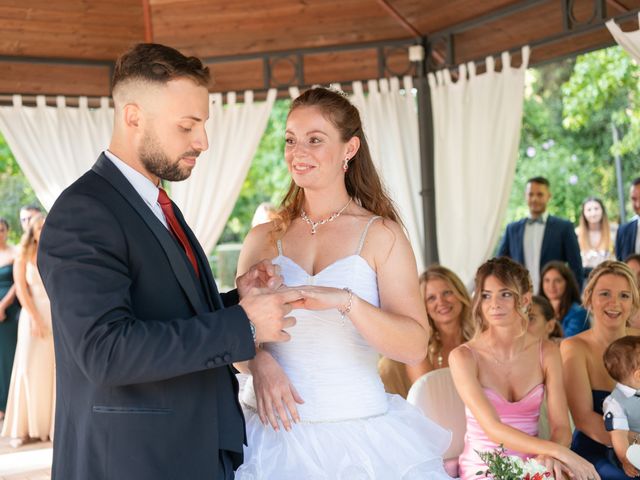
x=477 y=122
x=630 y=41
x=208 y=196
x=390 y=120
x=55 y=145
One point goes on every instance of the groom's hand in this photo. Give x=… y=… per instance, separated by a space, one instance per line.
x=263 y=274
x=268 y=311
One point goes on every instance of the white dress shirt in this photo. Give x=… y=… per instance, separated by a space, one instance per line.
x=532 y=244
x=145 y=187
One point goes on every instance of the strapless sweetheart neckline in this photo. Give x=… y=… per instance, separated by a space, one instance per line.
x=328 y=267
x=533 y=389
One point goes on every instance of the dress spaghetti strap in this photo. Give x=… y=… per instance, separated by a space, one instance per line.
x=473 y=352
x=279 y=244
x=364 y=233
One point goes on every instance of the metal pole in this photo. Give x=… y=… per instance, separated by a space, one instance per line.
x=425 y=127
x=619 y=179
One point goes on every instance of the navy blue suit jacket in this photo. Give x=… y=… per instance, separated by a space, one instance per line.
x=143 y=346
x=558 y=243
x=626 y=239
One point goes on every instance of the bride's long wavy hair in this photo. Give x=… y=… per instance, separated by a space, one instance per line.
x=361 y=179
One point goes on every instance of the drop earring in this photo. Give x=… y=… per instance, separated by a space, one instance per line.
x=345 y=165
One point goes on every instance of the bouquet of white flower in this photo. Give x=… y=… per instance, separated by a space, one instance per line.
x=510 y=467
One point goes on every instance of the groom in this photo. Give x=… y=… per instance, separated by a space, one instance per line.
x=143 y=340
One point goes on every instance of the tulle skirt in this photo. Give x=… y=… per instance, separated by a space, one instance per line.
x=401 y=444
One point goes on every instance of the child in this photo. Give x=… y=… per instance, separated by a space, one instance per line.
x=622 y=407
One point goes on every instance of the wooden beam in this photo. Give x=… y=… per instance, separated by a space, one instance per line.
x=148 y=25
x=401 y=20
x=617 y=5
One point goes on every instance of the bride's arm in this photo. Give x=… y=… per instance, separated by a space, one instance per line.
x=399 y=328
x=274 y=392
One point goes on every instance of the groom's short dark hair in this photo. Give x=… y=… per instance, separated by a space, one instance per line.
x=155 y=63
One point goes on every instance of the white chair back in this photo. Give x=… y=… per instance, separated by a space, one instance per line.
x=435 y=394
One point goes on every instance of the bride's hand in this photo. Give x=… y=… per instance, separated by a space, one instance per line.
x=322 y=298
x=274 y=392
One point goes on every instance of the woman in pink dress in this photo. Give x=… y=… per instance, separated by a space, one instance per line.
x=502 y=376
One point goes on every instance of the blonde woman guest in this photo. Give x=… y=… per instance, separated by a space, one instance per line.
x=612 y=296
x=503 y=374
x=594 y=234
x=449 y=313
x=31 y=394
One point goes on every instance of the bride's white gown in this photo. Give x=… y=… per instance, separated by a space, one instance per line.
x=350 y=428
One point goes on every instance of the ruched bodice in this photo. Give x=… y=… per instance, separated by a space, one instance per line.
x=326 y=354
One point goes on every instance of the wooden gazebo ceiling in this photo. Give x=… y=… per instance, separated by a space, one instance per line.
x=68 y=46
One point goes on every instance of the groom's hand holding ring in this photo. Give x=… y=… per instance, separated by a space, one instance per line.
x=268 y=310
x=263 y=274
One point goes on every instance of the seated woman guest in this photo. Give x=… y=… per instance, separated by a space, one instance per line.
x=542 y=320
x=611 y=295
x=558 y=285
x=449 y=314
x=594 y=234
x=502 y=375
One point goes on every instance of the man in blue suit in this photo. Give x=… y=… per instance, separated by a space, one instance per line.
x=541 y=237
x=627 y=241
x=144 y=340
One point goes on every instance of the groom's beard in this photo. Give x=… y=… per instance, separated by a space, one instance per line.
x=157 y=162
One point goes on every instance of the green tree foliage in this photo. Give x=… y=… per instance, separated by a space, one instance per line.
x=15 y=191
x=569 y=108
x=267 y=180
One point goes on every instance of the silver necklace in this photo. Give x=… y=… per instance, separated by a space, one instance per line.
x=315 y=225
x=507 y=361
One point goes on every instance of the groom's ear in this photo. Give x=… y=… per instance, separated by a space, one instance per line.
x=132 y=115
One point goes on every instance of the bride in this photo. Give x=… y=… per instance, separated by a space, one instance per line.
x=315 y=407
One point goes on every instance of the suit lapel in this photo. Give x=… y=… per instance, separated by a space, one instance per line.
x=520 y=240
x=548 y=228
x=209 y=284
x=179 y=262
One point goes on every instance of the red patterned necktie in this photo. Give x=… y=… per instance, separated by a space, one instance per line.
x=176 y=229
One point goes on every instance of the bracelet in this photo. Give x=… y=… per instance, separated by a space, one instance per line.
x=344 y=311
x=253 y=332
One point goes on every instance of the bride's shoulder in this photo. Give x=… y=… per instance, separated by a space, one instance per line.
x=382 y=230
x=260 y=238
